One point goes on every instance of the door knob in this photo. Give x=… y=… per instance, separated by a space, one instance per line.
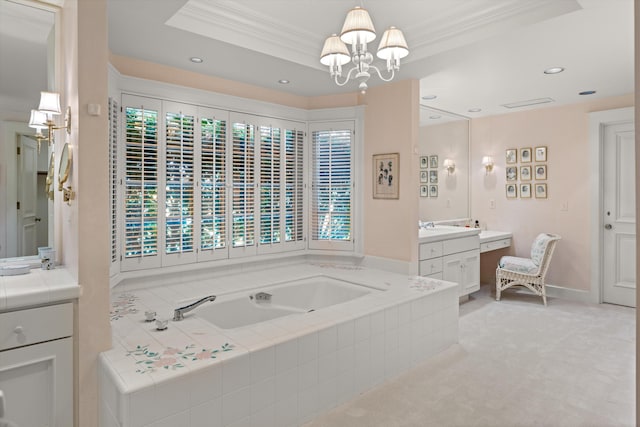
x=38 y=219
x=608 y=226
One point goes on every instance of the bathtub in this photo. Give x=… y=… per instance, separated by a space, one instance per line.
x=327 y=334
x=288 y=298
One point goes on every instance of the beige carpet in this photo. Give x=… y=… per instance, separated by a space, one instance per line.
x=517 y=363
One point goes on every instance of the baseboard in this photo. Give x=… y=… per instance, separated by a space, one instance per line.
x=570 y=294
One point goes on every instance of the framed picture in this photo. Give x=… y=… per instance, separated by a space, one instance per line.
x=433 y=191
x=525 y=173
x=525 y=155
x=424 y=190
x=541 y=171
x=433 y=177
x=511 y=155
x=512 y=173
x=541 y=154
x=541 y=190
x=424 y=162
x=512 y=191
x=424 y=176
x=386 y=172
x=433 y=162
x=525 y=191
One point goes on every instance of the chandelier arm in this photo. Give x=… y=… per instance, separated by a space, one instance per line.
x=380 y=74
x=347 y=78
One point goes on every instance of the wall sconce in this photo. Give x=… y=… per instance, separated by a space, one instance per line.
x=487 y=162
x=42 y=118
x=449 y=165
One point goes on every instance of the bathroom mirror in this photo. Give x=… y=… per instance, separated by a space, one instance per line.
x=443 y=139
x=28 y=35
x=65 y=166
x=48 y=189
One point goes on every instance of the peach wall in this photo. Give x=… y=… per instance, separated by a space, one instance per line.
x=564 y=131
x=637 y=120
x=151 y=71
x=391 y=125
x=85 y=223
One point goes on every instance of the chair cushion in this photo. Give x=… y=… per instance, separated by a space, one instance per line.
x=539 y=247
x=518 y=265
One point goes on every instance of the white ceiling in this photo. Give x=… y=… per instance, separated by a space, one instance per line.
x=471 y=54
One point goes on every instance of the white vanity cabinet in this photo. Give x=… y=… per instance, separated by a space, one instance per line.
x=454 y=258
x=36 y=365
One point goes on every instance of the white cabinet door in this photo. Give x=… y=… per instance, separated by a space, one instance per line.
x=463 y=268
x=37 y=382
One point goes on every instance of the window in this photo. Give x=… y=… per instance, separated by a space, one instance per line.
x=179 y=187
x=213 y=192
x=332 y=183
x=114 y=110
x=200 y=184
x=243 y=187
x=141 y=150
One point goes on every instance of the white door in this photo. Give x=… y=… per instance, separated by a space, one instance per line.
x=27 y=197
x=619 y=234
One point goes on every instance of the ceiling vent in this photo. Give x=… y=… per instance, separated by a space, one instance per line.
x=527 y=103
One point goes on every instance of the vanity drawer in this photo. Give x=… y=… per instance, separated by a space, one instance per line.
x=430 y=250
x=25 y=327
x=496 y=244
x=453 y=246
x=430 y=266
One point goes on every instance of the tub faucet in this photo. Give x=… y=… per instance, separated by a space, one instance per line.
x=178 y=313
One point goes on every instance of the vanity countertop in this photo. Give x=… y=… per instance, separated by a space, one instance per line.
x=36 y=288
x=442 y=232
x=492 y=235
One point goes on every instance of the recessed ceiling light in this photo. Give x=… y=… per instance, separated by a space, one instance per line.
x=587 y=92
x=435 y=117
x=475 y=110
x=554 y=70
x=429 y=97
x=283 y=81
x=196 y=60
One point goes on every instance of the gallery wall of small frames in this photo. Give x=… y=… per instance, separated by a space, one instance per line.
x=428 y=176
x=526 y=172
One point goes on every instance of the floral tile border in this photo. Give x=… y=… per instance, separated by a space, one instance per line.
x=122 y=305
x=172 y=358
x=421 y=283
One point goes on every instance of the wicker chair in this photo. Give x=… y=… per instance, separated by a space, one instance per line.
x=527 y=272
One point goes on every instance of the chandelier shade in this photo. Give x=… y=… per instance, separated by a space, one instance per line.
x=392 y=45
x=357 y=32
x=50 y=103
x=358 y=27
x=334 y=52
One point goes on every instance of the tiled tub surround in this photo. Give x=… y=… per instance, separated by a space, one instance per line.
x=280 y=372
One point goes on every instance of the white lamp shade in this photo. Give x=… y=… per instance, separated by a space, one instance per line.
x=487 y=161
x=358 y=27
x=50 y=103
x=392 y=45
x=37 y=120
x=334 y=52
x=448 y=163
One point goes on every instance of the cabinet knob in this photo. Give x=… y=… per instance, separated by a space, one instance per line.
x=18 y=330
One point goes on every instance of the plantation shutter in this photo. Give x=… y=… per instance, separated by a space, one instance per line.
x=243 y=226
x=332 y=182
x=294 y=185
x=114 y=110
x=270 y=190
x=179 y=235
x=213 y=180
x=141 y=162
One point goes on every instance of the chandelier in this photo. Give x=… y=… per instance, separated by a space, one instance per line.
x=358 y=31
